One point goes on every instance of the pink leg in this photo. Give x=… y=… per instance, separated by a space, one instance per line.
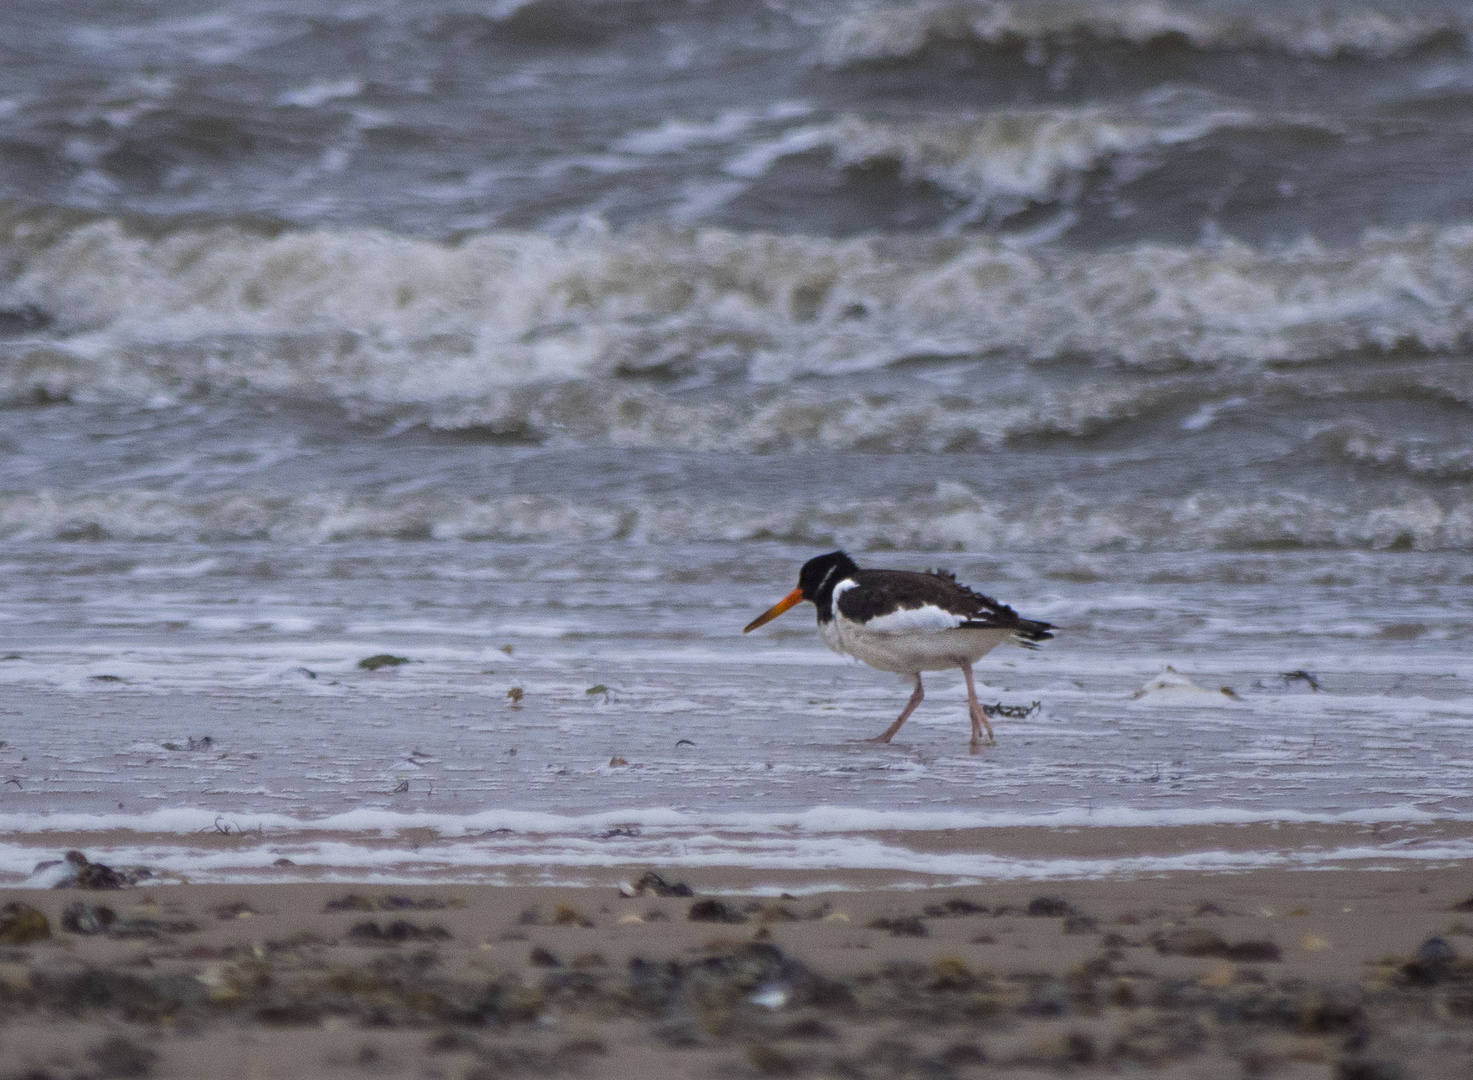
x=910 y=707
x=979 y=718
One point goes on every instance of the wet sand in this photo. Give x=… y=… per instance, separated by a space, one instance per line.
x=1347 y=973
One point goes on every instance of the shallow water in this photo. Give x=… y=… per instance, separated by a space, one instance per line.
x=216 y=688
x=328 y=330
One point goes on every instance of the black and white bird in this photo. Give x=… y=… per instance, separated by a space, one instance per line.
x=907 y=622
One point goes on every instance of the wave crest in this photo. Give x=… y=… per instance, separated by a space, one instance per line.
x=1006 y=160
x=889 y=31
x=1418 y=457
x=953 y=518
x=375 y=321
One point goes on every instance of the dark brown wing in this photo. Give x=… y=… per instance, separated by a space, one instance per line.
x=884 y=591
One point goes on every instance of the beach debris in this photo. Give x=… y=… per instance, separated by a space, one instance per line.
x=1433 y=962
x=238 y=909
x=516 y=694
x=616 y=761
x=507 y=649
x=770 y=996
x=716 y=911
x=562 y=915
x=222 y=827
x=951 y=974
x=396 y=933
x=594 y=691
x=358 y=902
x=1309 y=678
x=541 y=957
x=1173 y=685
x=410 y=903
x=956 y=907
x=79 y=873
x=382 y=660
x=1012 y=712
x=683 y=742
x=567 y=915
x=92 y=919
x=1195 y=941
x=21 y=924
x=106 y=678
x=900 y=926
x=1049 y=907
x=656 y=885
x=88 y=919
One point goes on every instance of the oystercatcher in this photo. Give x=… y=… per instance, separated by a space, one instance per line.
x=907 y=622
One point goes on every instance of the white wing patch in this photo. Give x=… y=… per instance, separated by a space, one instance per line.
x=923 y=620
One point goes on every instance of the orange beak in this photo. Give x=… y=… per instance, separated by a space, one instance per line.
x=793 y=599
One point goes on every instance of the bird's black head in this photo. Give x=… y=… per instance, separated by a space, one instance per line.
x=820 y=574
x=816 y=583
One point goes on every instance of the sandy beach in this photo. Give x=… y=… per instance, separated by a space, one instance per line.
x=404 y=407
x=1350 y=974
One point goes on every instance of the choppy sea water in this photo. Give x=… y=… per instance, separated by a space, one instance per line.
x=539 y=343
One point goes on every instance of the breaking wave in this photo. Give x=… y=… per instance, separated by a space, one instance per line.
x=891 y=31
x=1006 y=160
x=953 y=518
x=376 y=322
x=1418 y=457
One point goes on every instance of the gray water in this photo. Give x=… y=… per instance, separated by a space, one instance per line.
x=333 y=329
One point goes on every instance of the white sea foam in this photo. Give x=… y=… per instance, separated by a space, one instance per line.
x=955 y=518
x=663 y=821
x=1450 y=459
x=371 y=319
x=888 y=30
x=674 y=135
x=365 y=845
x=218 y=37
x=1004 y=160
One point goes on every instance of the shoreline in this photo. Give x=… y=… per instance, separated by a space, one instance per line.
x=771 y=860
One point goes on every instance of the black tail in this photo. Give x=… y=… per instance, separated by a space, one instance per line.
x=1029 y=632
